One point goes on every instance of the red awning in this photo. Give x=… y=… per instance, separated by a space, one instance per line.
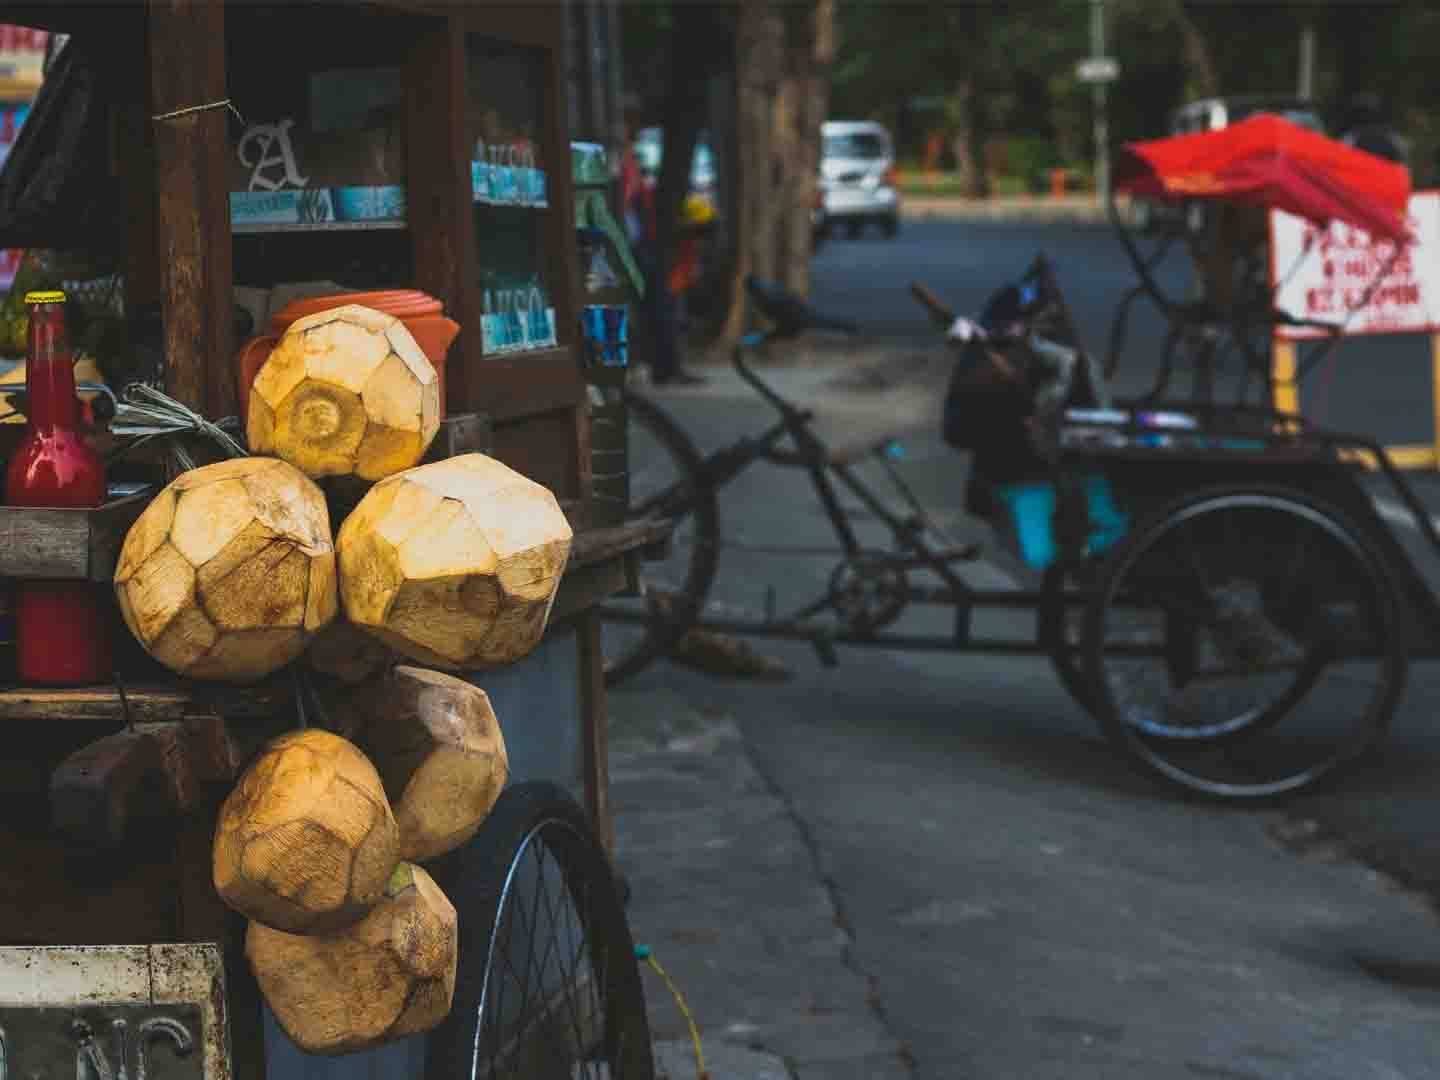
x=1269 y=162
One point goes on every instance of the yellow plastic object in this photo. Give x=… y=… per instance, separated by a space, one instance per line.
x=47 y=296
x=697 y=210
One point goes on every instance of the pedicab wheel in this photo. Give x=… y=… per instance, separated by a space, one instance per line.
x=1060 y=628
x=548 y=984
x=1245 y=644
x=665 y=482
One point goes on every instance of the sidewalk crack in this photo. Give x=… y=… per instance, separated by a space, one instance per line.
x=837 y=905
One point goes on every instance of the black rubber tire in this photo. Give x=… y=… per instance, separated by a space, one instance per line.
x=700 y=504
x=853 y=229
x=1066 y=660
x=1150 y=754
x=477 y=878
x=890 y=226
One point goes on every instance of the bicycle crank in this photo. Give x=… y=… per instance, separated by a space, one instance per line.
x=869 y=591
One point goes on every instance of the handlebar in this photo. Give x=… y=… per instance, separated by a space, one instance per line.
x=940 y=312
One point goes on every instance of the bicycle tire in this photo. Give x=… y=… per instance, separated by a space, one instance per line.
x=1162 y=758
x=485 y=879
x=1066 y=658
x=696 y=502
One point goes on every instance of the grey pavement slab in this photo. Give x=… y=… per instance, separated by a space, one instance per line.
x=726 y=891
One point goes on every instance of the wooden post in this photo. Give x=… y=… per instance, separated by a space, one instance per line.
x=594 y=728
x=1282 y=377
x=187 y=71
x=440 y=205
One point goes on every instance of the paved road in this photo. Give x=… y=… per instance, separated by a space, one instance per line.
x=1375 y=385
x=1018 y=903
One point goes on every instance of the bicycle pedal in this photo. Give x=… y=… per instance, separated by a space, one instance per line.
x=964 y=553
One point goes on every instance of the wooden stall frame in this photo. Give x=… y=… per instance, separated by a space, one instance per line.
x=174 y=183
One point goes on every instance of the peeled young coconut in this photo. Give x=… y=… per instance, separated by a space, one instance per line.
x=306 y=841
x=345 y=652
x=346 y=391
x=454 y=564
x=438 y=748
x=389 y=975
x=230 y=570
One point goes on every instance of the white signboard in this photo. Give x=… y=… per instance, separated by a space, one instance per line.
x=1329 y=274
x=1098 y=69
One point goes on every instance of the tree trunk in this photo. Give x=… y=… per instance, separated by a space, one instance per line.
x=684 y=116
x=968 y=142
x=1202 y=75
x=758 y=44
x=808 y=100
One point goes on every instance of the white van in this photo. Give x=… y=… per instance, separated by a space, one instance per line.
x=857 y=177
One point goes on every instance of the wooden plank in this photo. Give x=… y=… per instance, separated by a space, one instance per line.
x=439 y=205
x=43 y=542
x=147 y=703
x=594 y=729
x=595 y=545
x=586 y=586
x=540 y=447
x=518 y=386
x=106 y=791
x=187 y=69
x=461 y=433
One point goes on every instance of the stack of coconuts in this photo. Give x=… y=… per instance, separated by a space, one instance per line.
x=232 y=572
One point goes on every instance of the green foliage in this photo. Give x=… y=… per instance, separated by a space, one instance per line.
x=911 y=60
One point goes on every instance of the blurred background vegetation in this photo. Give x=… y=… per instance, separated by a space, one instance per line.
x=996 y=80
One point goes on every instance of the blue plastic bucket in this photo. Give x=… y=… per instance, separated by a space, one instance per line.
x=1030 y=510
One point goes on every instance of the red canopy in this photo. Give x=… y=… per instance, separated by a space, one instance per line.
x=1268 y=161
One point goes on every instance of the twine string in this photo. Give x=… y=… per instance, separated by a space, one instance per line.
x=145 y=413
x=223 y=103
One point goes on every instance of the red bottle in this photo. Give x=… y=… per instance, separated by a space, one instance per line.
x=60 y=626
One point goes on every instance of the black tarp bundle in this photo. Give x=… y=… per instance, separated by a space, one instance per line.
x=55 y=188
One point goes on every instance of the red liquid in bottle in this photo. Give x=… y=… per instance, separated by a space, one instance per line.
x=60 y=626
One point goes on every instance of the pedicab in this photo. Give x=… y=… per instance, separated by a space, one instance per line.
x=1211 y=581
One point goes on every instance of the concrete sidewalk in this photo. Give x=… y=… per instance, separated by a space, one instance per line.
x=728 y=892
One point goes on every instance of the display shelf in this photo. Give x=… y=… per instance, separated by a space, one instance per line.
x=240 y=229
x=69 y=544
x=596 y=569
x=148 y=702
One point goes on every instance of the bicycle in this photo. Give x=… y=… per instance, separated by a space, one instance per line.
x=868 y=589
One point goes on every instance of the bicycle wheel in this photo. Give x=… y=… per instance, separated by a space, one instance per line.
x=548 y=986
x=665 y=481
x=1245 y=644
x=1060 y=625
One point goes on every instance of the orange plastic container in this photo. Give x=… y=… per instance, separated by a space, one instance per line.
x=422 y=314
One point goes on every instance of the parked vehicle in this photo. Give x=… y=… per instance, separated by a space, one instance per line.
x=857 y=178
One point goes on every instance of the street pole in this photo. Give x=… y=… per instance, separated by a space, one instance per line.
x=1102 y=128
x=1307 y=61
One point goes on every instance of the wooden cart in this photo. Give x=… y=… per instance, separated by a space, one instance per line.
x=441 y=72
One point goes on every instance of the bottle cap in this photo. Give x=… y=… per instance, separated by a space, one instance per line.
x=54 y=296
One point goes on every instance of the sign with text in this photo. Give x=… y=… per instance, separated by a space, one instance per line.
x=22 y=61
x=1330 y=274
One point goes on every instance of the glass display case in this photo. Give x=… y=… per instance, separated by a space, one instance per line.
x=509 y=176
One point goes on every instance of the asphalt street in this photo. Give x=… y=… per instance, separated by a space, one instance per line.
x=1023 y=904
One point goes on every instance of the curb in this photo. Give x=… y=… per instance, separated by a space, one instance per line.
x=1040 y=211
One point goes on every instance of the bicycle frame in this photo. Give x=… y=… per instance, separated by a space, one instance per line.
x=827 y=475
